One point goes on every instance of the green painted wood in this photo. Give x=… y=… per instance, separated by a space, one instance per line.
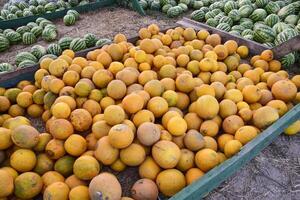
x=216 y=176
x=54 y=15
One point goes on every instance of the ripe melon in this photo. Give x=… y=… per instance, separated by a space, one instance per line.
x=86 y=167
x=207 y=107
x=265 y=116
x=6 y=184
x=81 y=119
x=166 y=154
x=105 y=186
x=28 y=185
x=284 y=90
x=57 y=190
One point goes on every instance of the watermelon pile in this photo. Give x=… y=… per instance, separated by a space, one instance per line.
x=264 y=21
x=38 y=52
x=28 y=34
x=14 y=10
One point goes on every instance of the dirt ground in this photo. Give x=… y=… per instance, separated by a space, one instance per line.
x=273 y=174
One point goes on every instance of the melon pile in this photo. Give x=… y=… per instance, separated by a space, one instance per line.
x=19 y=9
x=175 y=105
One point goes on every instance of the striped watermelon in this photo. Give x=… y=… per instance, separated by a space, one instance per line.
x=26 y=63
x=78 y=44
x=22 y=5
x=51 y=26
x=285 y=35
x=212 y=22
x=90 y=39
x=209 y=15
x=27 y=13
x=75 y=13
x=198 y=4
x=246 y=10
x=38 y=51
x=33 y=2
x=272 y=7
x=285 y=11
x=215 y=5
x=28 y=38
x=11 y=16
x=261 y=3
x=226 y=20
x=40 y=9
x=280 y=26
x=42 y=2
x=206 y=2
x=33 y=9
x=198 y=15
x=247 y=24
x=6 y=67
x=25 y=56
x=13 y=37
x=54 y=49
x=44 y=23
x=4 y=13
x=297 y=27
x=19 y=13
x=288 y=60
x=50 y=7
x=204 y=9
x=249 y=37
x=247 y=32
x=23 y=29
x=264 y=34
x=37 y=31
x=31 y=25
x=230 y=5
x=269 y=44
x=219 y=16
x=49 y=35
x=238 y=28
x=13 y=9
x=165 y=8
x=7 y=31
x=69 y=20
x=73 y=3
x=174 y=11
x=103 y=41
x=234 y=32
x=65 y=42
x=258 y=15
x=183 y=6
x=48 y=56
x=234 y=15
x=271 y=20
x=216 y=11
x=4 y=44
x=224 y=27
x=244 y=2
x=291 y=19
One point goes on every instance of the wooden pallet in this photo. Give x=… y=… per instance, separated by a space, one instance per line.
x=217 y=175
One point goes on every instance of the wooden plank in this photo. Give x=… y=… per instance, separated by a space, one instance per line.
x=287 y=47
x=14 y=23
x=217 y=175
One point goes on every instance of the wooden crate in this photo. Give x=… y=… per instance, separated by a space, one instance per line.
x=217 y=175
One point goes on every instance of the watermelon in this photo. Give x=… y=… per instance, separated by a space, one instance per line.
x=73 y=3
x=238 y=28
x=42 y=2
x=48 y=56
x=22 y=5
x=186 y=2
x=258 y=15
x=7 y=31
x=272 y=7
x=40 y=9
x=206 y=2
x=166 y=7
x=247 y=32
x=11 y=16
x=39 y=20
x=23 y=29
x=285 y=11
x=224 y=27
x=25 y=56
x=269 y=44
x=49 y=35
x=297 y=27
x=13 y=9
x=217 y=5
x=33 y=9
x=44 y=23
x=247 y=24
x=285 y=35
x=65 y=42
x=288 y=60
x=198 y=15
x=51 y=26
x=26 y=63
x=4 y=13
x=230 y=5
x=33 y=2
x=204 y=9
x=234 y=15
x=246 y=10
x=90 y=39
x=37 y=31
x=103 y=41
x=78 y=44
x=31 y=25
x=261 y=3
x=219 y=16
x=226 y=20
x=291 y=19
x=183 y=6
x=50 y=7
x=271 y=20
x=19 y=13
x=264 y=34
x=38 y=51
x=241 y=3
x=69 y=20
x=209 y=15
x=234 y=32
x=212 y=22
x=75 y=13
x=197 y=5
x=13 y=37
x=54 y=49
x=249 y=37
x=27 y=13
x=28 y=38
x=155 y=5
x=280 y=26
x=174 y=11
x=6 y=67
